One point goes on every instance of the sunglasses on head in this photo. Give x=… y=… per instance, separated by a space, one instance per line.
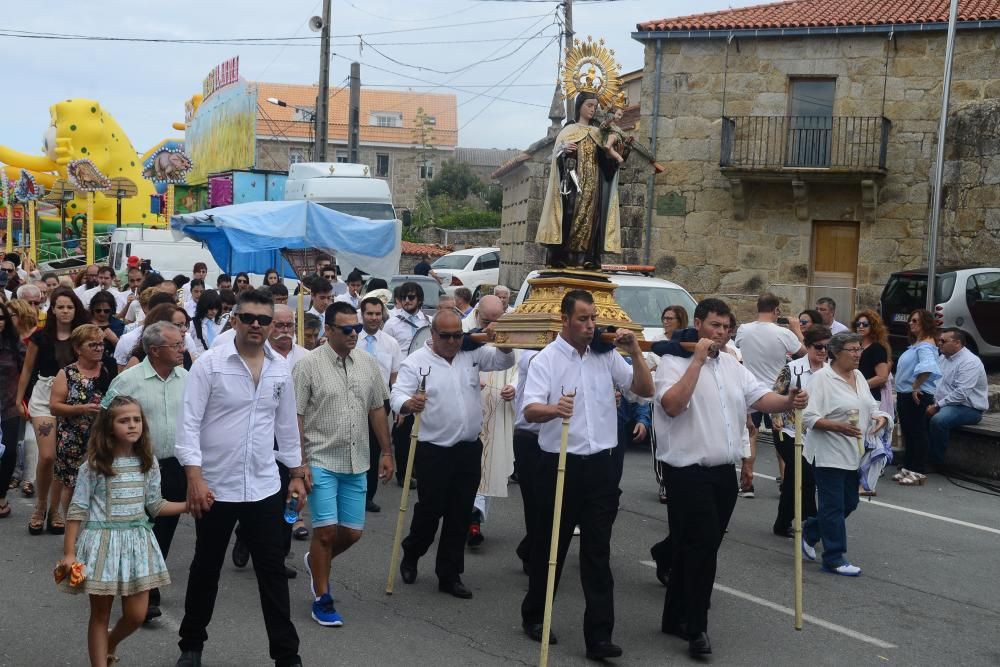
x=350 y=328
x=445 y=335
x=819 y=347
x=250 y=318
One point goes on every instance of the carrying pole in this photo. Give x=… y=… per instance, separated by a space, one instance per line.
x=798 y=508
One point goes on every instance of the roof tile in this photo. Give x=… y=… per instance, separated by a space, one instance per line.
x=824 y=13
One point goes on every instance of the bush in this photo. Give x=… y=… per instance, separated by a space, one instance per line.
x=468 y=219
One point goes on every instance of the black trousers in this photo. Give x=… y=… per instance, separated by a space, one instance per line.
x=173 y=487
x=701 y=501
x=285 y=478
x=785 y=444
x=449 y=479
x=375 y=454
x=526 y=456
x=401 y=443
x=913 y=424
x=590 y=500
x=262 y=531
x=9 y=428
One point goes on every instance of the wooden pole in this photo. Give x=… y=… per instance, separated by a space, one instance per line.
x=550 y=582
x=798 y=514
x=33 y=227
x=90 y=228
x=9 y=242
x=397 y=543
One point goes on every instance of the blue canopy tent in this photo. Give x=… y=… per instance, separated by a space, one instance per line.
x=249 y=237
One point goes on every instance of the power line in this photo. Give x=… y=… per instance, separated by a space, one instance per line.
x=400 y=20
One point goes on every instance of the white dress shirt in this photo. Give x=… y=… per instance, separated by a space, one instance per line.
x=830 y=397
x=402 y=326
x=963 y=381
x=710 y=429
x=126 y=343
x=121 y=298
x=838 y=327
x=387 y=353
x=454 y=411
x=322 y=319
x=229 y=425
x=524 y=358
x=594 y=424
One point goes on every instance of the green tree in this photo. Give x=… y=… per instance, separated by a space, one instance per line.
x=455 y=180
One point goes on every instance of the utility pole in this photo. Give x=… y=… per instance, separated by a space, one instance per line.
x=323 y=97
x=932 y=232
x=568 y=32
x=354 y=114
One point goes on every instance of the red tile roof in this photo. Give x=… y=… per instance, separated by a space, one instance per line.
x=432 y=249
x=824 y=13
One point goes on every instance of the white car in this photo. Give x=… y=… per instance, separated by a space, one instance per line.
x=472 y=268
x=641 y=295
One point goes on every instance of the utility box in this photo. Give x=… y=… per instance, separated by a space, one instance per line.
x=241 y=187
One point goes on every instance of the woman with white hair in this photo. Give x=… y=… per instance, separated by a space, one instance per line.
x=841 y=412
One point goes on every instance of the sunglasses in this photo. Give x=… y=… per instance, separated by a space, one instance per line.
x=861 y=325
x=409 y=297
x=349 y=329
x=819 y=347
x=445 y=335
x=804 y=323
x=10 y=270
x=250 y=318
x=100 y=310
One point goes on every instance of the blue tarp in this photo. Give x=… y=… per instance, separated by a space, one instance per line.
x=249 y=237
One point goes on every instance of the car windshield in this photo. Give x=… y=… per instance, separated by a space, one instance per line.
x=452 y=262
x=906 y=293
x=430 y=288
x=370 y=210
x=644 y=303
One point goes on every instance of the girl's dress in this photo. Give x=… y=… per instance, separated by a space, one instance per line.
x=116 y=543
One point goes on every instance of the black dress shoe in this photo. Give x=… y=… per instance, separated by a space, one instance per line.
x=603 y=650
x=408 y=571
x=372 y=506
x=534 y=630
x=189 y=659
x=784 y=532
x=290 y=573
x=152 y=611
x=241 y=555
x=699 y=645
x=455 y=588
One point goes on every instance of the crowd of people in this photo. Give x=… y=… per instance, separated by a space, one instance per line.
x=132 y=398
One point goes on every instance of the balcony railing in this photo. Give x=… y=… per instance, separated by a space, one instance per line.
x=796 y=143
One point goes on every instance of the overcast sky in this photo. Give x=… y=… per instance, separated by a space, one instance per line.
x=144 y=85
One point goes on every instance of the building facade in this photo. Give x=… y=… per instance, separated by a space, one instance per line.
x=799 y=140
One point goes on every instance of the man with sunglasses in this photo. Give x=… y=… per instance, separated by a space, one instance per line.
x=340 y=395
x=239 y=400
x=449 y=451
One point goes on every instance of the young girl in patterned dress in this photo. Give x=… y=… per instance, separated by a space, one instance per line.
x=107 y=526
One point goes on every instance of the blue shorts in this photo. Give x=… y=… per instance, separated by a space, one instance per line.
x=338 y=498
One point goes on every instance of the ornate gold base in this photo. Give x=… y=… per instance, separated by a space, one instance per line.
x=537 y=321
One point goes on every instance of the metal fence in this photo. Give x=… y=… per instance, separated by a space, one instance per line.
x=805 y=142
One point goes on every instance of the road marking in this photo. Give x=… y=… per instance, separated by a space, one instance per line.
x=808 y=618
x=910 y=510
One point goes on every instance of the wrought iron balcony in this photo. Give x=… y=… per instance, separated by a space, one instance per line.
x=800 y=145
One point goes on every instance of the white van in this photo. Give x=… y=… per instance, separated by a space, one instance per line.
x=166 y=253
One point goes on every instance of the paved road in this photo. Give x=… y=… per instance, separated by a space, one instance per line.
x=929 y=594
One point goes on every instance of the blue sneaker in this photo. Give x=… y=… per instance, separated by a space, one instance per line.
x=324 y=613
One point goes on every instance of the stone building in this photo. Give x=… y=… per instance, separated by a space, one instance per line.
x=799 y=140
x=390 y=143
x=484 y=161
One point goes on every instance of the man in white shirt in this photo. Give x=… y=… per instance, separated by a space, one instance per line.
x=322 y=297
x=573 y=364
x=449 y=451
x=502 y=292
x=353 y=295
x=960 y=397
x=105 y=282
x=526 y=455
x=239 y=401
x=337 y=286
x=765 y=347
x=89 y=280
x=827 y=309
x=131 y=292
x=386 y=351
x=699 y=413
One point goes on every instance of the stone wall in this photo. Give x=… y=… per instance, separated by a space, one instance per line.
x=404 y=165
x=706 y=249
x=459 y=239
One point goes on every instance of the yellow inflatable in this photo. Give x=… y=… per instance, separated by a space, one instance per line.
x=82 y=129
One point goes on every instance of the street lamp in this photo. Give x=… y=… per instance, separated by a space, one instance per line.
x=308 y=113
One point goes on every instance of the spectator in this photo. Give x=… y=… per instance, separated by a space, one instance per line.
x=224 y=282
x=195 y=290
x=174 y=314
x=834 y=448
x=502 y=292
x=49 y=351
x=672 y=318
x=961 y=394
x=204 y=325
x=279 y=292
x=446 y=302
x=808 y=318
x=158 y=385
x=329 y=273
x=423 y=267
x=463 y=300
x=917 y=373
x=199 y=272
x=102 y=315
x=86 y=280
x=130 y=293
x=11 y=360
x=130 y=340
x=242 y=282
x=353 y=296
x=322 y=297
x=105 y=283
x=827 y=309
x=312 y=331
x=876 y=353
x=271 y=277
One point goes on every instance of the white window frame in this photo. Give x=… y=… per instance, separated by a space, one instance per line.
x=296 y=154
x=386 y=119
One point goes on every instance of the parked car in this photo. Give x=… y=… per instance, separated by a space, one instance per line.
x=472 y=268
x=966 y=298
x=641 y=295
x=432 y=290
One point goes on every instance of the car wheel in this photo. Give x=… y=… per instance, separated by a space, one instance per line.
x=476 y=295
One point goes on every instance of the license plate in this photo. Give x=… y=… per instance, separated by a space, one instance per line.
x=901 y=317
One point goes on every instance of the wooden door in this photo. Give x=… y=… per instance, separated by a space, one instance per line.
x=835 y=265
